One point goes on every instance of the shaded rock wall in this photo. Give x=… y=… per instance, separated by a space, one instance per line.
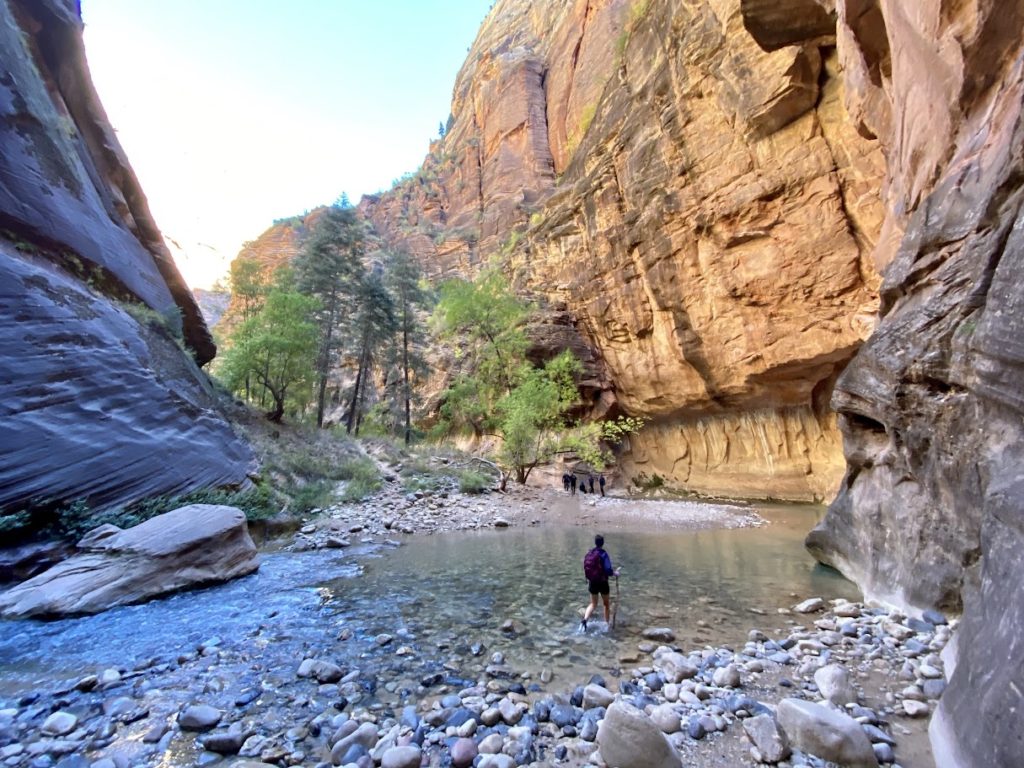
x=701 y=211
x=98 y=402
x=931 y=510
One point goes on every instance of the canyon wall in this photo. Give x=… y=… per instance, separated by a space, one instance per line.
x=99 y=402
x=931 y=510
x=696 y=210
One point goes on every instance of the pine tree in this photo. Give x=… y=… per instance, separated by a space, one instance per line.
x=374 y=326
x=405 y=282
x=330 y=268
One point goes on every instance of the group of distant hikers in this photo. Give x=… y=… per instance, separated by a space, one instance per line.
x=570 y=482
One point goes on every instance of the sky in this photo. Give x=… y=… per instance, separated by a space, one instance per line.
x=234 y=113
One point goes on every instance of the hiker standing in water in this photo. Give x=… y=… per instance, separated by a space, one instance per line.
x=597 y=567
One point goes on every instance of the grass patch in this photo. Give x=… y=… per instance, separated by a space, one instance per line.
x=362 y=479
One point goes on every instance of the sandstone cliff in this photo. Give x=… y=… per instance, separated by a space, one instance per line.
x=696 y=211
x=931 y=511
x=98 y=402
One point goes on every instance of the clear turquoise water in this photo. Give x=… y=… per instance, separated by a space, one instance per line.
x=439 y=595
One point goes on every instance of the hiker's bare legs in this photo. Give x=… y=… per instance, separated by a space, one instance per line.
x=607 y=608
x=590 y=608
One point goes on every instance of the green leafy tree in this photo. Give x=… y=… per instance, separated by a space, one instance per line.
x=330 y=268
x=404 y=280
x=276 y=348
x=249 y=285
x=487 y=319
x=592 y=441
x=374 y=326
x=532 y=415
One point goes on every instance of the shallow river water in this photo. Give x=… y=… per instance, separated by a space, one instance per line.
x=439 y=596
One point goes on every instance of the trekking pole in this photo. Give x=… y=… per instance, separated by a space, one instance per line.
x=615 y=611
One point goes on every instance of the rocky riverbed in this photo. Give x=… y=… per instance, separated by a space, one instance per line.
x=396 y=511
x=318 y=689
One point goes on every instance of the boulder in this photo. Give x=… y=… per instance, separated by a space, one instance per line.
x=187 y=547
x=766 y=737
x=629 y=739
x=834 y=684
x=826 y=733
x=676 y=667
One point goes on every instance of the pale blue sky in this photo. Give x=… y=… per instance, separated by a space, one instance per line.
x=237 y=112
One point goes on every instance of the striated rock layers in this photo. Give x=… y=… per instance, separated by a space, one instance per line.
x=98 y=402
x=931 y=510
x=187 y=547
x=698 y=211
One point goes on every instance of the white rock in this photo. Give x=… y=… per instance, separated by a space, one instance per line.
x=835 y=686
x=59 y=724
x=666 y=718
x=826 y=733
x=401 y=757
x=676 y=667
x=810 y=605
x=491 y=744
x=727 y=676
x=629 y=739
x=597 y=696
x=766 y=737
x=914 y=708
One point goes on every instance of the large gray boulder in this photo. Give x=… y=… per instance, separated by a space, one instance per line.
x=629 y=739
x=826 y=733
x=187 y=547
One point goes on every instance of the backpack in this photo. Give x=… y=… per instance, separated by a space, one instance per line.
x=593 y=568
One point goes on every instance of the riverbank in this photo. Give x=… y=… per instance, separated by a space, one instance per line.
x=395 y=511
x=280 y=681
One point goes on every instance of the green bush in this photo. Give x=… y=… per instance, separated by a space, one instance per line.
x=315 y=495
x=257 y=503
x=362 y=476
x=472 y=481
x=648 y=483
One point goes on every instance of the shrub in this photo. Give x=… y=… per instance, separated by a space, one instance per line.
x=315 y=495
x=362 y=476
x=645 y=483
x=472 y=481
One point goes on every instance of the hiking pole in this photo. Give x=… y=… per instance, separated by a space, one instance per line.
x=615 y=610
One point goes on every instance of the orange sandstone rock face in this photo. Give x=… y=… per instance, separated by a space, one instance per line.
x=703 y=209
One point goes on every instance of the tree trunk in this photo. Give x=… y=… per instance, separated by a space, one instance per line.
x=323 y=366
x=405 y=372
x=360 y=373
x=278 y=412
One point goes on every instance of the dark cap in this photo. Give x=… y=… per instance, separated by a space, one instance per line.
x=599 y=540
